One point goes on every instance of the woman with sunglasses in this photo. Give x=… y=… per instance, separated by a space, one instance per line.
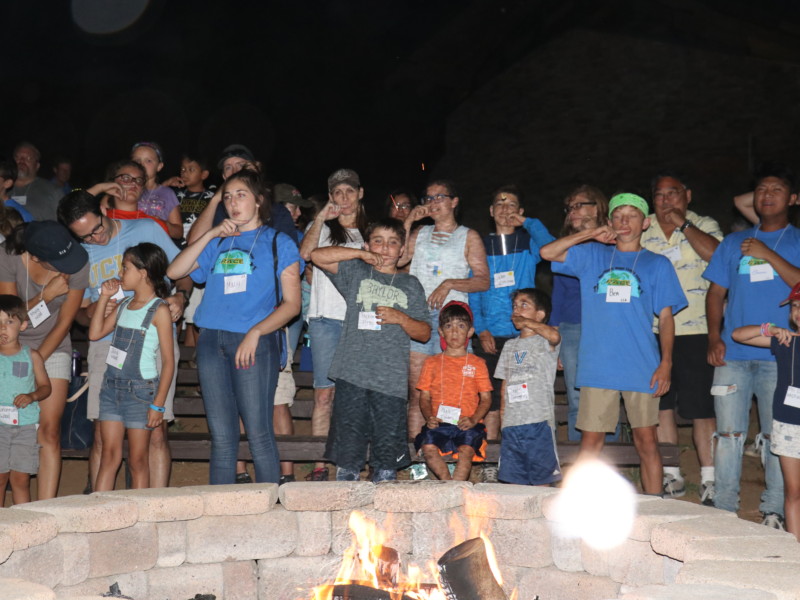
x=122 y=191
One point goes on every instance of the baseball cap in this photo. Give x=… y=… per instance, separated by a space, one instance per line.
x=347 y=176
x=793 y=295
x=628 y=200
x=286 y=193
x=235 y=150
x=52 y=243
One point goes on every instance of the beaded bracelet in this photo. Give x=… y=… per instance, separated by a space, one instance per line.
x=160 y=409
x=765 y=329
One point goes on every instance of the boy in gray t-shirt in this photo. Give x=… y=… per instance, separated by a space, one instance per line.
x=527 y=367
x=385 y=309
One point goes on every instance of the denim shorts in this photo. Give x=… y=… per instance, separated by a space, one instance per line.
x=19 y=450
x=785 y=439
x=127 y=400
x=324 y=334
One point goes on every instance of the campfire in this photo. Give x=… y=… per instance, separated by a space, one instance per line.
x=372 y=570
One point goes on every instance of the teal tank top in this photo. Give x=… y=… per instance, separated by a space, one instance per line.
x=16 y=377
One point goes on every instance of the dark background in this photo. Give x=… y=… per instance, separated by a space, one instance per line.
x=544 y=93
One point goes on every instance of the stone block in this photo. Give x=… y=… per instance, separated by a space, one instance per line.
x=171 y=543
x=27 y=528
x=185 y=581
x=326 y=495
x=245 y=537
x=693 y=592
x=43 y=564
x=551 y=584
x=88 y=513
x=397 y=529
x=75 y=547
x=6 y=547
x=13 y=588
x=123 y=551
x=236 y=499
x=522 y=543
x=630 y=563
x=566 y=552
x=656 y=511
x=434 y=533
x=779 y=579
x=785 y=549
x=671 y=569
x=313 y=534
x=240 y=580
x=294 y=577
x=420 y=496
x=162 y=504
x=502 y=501
x=130 y=584
x=673 y=539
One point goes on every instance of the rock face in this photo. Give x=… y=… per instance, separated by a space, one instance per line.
x=236 y=542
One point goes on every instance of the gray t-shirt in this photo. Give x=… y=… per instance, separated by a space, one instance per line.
x=39 y=197
x=532 y=362
x=375 y=360
x=12 y=269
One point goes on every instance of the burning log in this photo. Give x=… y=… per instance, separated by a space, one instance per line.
x=355 y=591
x=467 y=575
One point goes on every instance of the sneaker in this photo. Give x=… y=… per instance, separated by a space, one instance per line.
x=318 y=475
x=707 y=493
x=674 y=487
x=489 y=474
x=775 y=521
x=286 y=479
x=243 y=478
x=754 y=449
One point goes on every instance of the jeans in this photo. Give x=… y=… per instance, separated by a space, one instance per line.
x=229 y=393
x=570 y=342
x=324 y=334
x=750 y=377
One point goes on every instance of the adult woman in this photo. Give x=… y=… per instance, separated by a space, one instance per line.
x=43 y=264
x=585 y=207
x=342 y=222
x=237 y=353
x=157 y=200
x=123 y=190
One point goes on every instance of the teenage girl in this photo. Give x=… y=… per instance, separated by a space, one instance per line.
x=133 y=394
x=123 y=190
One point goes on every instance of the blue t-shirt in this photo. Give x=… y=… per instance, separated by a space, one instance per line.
x=618 y=349
x=566 y=300
x=788 y=374
x=249 y=255
x=26 y=216
x=752 y=302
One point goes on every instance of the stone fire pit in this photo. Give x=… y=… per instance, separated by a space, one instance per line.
x=236 y=542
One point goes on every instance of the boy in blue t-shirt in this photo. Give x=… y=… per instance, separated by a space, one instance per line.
x=25 y=383
x=622 y=287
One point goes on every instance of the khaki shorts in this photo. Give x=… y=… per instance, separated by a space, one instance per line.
x=599 y=409
x=284 y=393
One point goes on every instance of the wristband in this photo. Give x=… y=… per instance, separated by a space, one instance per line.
x=765 y=329
x=160 y=409
x=686 y=224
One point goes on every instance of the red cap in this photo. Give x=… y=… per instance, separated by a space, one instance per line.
x=793 y=295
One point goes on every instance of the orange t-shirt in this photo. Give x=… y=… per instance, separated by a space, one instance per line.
x=129 y=215
x=455 y=381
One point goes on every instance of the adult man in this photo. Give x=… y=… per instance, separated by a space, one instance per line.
x=106 y=240
x=622 y=287
x=450 y=262
x=37 y=195
x=756 y=269
x=62 y=171
x=688 y=241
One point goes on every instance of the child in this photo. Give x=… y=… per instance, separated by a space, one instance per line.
x=133 y=396
x=785 y=437
x=456 y=394
x=25 y=384
x=527 y=366
x=190 y=189
x=385 y=309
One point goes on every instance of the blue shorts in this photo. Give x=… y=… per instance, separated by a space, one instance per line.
x=127 y=400
x=528 y=455
x=448 y=438
x=324 y=334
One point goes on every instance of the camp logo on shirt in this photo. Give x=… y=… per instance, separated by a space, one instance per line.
x=234 y=262
x=748 y=261
x=373 y=293
x=617 y=277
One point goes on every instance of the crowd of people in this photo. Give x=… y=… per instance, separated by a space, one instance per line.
x=418 y=326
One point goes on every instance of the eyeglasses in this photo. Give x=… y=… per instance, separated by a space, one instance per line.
x=402 y=206
x=671 y=194
x=99 y=228
x=126 y=179
x=435 y=199
x=577 y=206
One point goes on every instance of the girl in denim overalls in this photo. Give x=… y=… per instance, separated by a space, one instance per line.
x=133 y=395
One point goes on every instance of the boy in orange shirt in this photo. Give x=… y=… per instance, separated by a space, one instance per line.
x=455 y=397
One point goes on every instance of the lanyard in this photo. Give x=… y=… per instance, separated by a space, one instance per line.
x=505 y=251
x=780 y=237
x=633 y=268
x=441 y=380
x=27 y=279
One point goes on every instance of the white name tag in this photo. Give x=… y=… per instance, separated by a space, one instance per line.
x=761 y=272
x=235 y=284
x=518 y=392
x=116 y=357
x=723 y=390
x=792 y=397
x=504 y=279
x=618 y=293
x=449 y=414
x=368 y=320
x=673 y=253
x=38 y=313
x=23 y=200
x=119 y=296
x=9 y=415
